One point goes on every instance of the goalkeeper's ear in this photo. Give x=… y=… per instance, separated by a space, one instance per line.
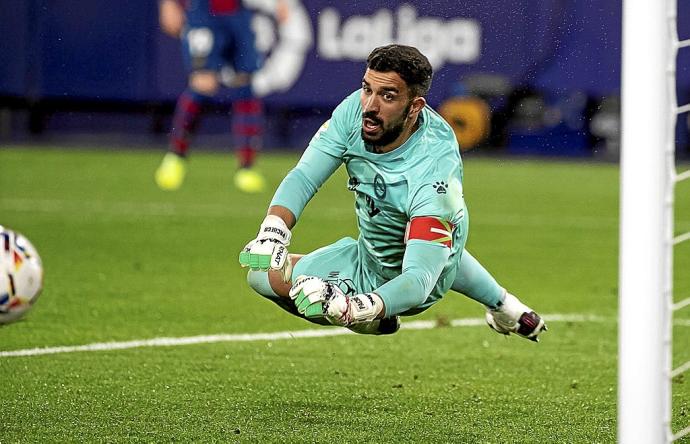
x=417 y=105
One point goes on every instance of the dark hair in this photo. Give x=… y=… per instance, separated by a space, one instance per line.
x=410 y=64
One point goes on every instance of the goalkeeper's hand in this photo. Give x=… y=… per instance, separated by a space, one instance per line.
x=309 y=293
x=315 y=297
x=344 y=310
x=268 y=251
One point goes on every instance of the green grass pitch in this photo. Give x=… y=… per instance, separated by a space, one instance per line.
x=125 y=261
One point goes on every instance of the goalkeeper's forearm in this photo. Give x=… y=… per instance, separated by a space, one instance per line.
x=303 y=181
x=422 y=265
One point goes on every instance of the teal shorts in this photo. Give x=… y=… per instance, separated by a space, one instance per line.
x=341 y=263
x=338 y=263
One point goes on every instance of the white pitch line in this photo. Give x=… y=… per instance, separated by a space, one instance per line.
x=171 y=342
x=280 y=335
x=247 y=337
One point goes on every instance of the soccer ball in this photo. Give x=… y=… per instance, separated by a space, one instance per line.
x=21 y=275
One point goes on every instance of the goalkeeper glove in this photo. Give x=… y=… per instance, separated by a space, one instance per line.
x=309 y=293
x=268 y=251
x=315 y=297
x=348 y=310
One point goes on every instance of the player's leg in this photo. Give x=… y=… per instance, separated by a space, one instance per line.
x=273 y=286
x=475 y=282
x=170 y=174
x=247 y=132
x=201 y=50
x=337 y=264
x=247 y=108
x=471 y=279
x=505 y=313
x=385 y=326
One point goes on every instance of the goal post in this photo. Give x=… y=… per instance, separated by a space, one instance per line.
x=645 y=251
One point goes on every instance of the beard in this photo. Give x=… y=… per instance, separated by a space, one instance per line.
x=389 y=133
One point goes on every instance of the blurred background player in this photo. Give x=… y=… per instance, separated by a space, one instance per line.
x=215 y=34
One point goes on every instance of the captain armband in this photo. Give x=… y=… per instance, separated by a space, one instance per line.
x=430 y=228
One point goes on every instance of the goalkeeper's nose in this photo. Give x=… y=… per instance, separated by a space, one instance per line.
x=370 y=106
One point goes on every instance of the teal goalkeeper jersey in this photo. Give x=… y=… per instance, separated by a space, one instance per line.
x=422 y=177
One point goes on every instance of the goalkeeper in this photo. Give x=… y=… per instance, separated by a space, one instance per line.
x=405 y=170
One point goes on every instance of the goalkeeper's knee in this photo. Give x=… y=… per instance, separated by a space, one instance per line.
x=259 y=282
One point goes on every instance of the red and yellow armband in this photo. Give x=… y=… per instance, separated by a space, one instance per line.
x=430 y=228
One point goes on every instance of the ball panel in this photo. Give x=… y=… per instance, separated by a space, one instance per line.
x=21 y=275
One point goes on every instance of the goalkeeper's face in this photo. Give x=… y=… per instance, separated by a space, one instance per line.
x=386 y=106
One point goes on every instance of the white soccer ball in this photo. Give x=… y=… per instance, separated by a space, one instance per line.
x=21 y=275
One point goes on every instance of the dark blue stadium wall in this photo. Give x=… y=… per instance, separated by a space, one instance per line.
x=114 y=52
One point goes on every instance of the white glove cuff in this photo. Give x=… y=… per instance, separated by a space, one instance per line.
x=273 y=227
x=365 y=307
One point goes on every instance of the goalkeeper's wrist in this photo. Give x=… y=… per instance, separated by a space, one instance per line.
x=274 y=227
x=365 y=307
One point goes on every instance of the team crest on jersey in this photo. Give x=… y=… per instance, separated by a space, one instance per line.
x=200 y=42
x=431 y=229
x=379 y=186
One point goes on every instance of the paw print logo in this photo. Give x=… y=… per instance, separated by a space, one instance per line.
x=441 y=187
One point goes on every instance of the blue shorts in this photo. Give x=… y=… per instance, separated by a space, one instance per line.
x=215 y=42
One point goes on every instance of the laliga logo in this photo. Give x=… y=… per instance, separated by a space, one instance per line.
x=285 y=45
x=456 y=40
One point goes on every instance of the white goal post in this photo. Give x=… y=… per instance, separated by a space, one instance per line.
x=648 y=177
